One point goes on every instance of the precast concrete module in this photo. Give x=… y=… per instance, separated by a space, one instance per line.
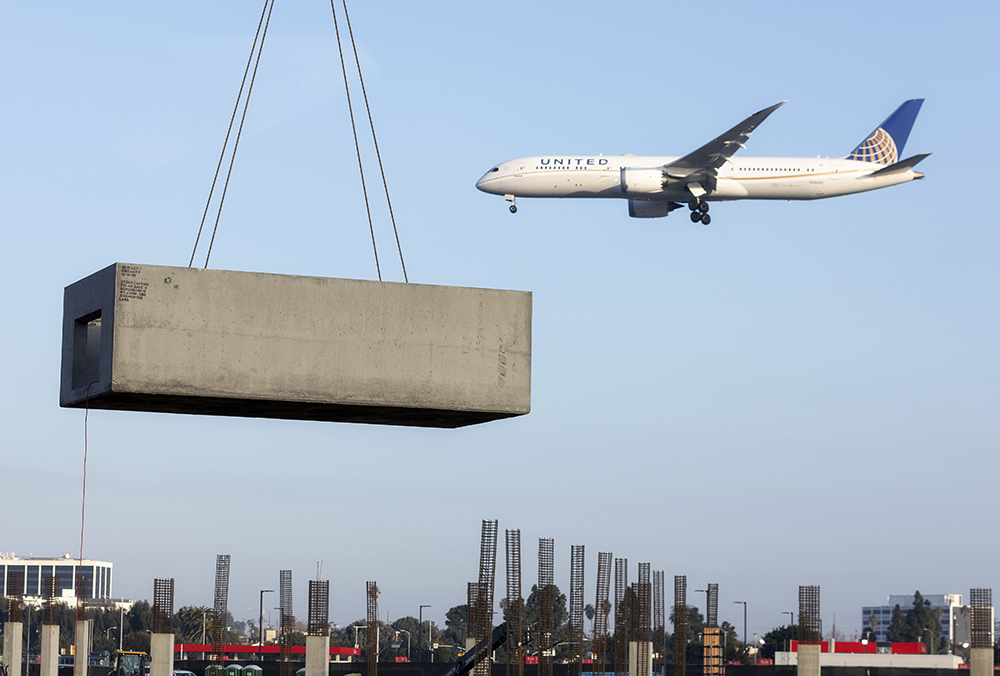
x=218 y=342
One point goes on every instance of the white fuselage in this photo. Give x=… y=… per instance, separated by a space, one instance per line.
x=761 y=178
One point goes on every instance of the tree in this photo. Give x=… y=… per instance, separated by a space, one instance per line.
x=779 y=638
x=897 y=626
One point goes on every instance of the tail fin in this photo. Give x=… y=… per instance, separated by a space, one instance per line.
x=885 y=144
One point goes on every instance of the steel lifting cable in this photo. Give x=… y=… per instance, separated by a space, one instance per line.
x=264 y=12
x=357 y=147
x=371 y=123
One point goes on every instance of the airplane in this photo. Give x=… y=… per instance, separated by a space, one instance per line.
x=655 y=186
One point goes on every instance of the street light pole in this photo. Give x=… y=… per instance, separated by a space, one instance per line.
x=744 y=621
x=260 y=627
x=421 y=624
x=791 y=625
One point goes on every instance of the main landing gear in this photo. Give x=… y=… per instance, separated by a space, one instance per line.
x=699 y=212
x=510 y=198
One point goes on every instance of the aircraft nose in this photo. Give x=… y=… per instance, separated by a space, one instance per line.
x=490 y=181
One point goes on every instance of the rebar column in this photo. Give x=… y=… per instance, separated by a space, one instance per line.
x=621 y=617
x=161 y=642
x=50 y=627
x=221 y=612
x=680 y=624
x=13 y=631
x=711 y=636
x=809 y=632
x=641 y=617
x=546 y=599
x=371 y=649
x=601 y=610
x=659 y=630
x=484 y=599
x=82 y=635
x=515 y=647
x=471 y=619
x=287 y=626
x=575 y=665
x=318 y=638
x=981 y=652
x=809 y=618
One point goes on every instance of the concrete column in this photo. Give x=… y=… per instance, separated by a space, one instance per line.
x=13 y=638
x=808 y=660
x=317 y=656
x=633 y=658
x=161 y=655
x=50 y=650
x=981 y=662
x=82 y=658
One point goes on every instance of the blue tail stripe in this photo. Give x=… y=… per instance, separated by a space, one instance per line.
x=899 y=124
x=885 y=144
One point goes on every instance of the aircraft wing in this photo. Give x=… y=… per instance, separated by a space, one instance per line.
x=708 y=158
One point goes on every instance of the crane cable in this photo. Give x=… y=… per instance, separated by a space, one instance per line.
x=357 y=147
x=239 y=96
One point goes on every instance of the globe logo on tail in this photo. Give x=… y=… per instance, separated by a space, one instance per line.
x=878 y=148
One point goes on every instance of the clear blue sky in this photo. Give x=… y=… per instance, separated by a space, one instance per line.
x=801 y=393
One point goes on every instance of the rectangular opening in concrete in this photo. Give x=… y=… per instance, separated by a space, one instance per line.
x=86 y=349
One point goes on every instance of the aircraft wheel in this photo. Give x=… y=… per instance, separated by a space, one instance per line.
x=705 y=219
x=695 y=216
x=693 y=205
x=513 y=209
x=703 y=207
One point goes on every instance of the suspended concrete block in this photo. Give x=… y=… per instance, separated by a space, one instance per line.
x=217 y=342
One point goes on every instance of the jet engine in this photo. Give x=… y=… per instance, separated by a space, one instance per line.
x=642 y=181
x=650 y=208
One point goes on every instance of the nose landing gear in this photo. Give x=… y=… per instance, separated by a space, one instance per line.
x=699 y=212
x=510 y=198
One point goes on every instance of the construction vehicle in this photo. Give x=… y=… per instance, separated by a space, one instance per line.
x=130 y=663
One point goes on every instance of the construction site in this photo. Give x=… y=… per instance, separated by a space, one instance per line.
x=638 y=642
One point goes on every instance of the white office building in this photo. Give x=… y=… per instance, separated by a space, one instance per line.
x=954 y=617
x=94 y=576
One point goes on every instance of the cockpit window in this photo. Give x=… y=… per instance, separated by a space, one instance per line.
x=495 y=169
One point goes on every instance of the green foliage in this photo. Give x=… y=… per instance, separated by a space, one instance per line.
x=779 y=638
x=920 y=624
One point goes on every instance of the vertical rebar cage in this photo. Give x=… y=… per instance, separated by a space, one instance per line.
x=659 y=629
x=515 y=646
x=809 y=618
x=163 y=605
x=221 y=608
x=981 y=605
x=601 y=610
x=15 y=593
x=319 y=607
x=621 y=617
x=50 y=585
x=576 y=610
x=287 y=626
x=484 y=598
x=371 y=655
x=642 y=614
x=680 y=624
x=546 y=599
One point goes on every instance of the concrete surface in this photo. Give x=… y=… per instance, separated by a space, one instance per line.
x=216 y=342
x=50 y=650
x=981 y=662
x=82 y=640
x=633 y=659
x=317 y=656
x=871 y=660
x=13 y=639
x=161 y=655
x=808 y=662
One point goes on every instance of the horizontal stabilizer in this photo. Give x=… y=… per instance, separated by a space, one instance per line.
x=902 y=165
